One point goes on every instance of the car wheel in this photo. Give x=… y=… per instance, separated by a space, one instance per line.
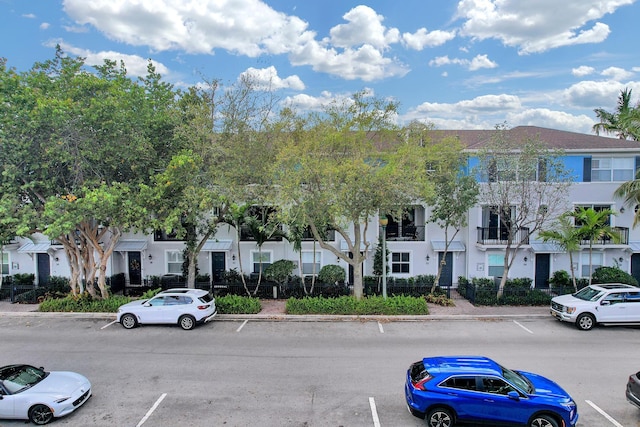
x=187 y=322
x=40 y=414
x=440 y=417
x=128 y=321
x=585 y=321
x=543 y=421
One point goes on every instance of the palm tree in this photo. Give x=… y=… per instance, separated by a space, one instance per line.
x=594 y=225
x=630 y=192
x=566 y=236
x=619 y=121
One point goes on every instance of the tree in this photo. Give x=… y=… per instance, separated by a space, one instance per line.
x=378 y=259
x=593 y=225
x=630 y=193
x=454 y=193
x=522 y=186
x=623 y=122
x=343 y=166
x=280 y=272
x=565 y=234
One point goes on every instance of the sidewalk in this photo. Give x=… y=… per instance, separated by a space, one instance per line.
x=275 y=310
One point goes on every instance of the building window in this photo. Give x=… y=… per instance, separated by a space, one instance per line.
x=5 y=263
x=496 y=265
x=605 y=169
x=174 y=262
x=597 y=208
x=596 y=262
x=310 y=263
x=400 y=262
x=256 y=257
x=166 y=236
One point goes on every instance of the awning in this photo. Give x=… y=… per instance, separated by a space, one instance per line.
x=131 y=246
x=34 y=247
x=549 y=248
x=216 y=245
x=634 y=246
x=455 y=246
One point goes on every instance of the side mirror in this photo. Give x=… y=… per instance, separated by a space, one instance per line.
x=605 y=303
x=513 y=395
x=146 y=304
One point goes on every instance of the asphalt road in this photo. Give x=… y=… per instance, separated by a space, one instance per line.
x=306 y=374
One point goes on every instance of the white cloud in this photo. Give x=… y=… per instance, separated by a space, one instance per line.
x=616 y=73
x=364 y=27
x=478 y=62
x=421 y=38
x=537 y=26
x=44 y=25
x=582 y=71
x=29 y=15
x=268 y=79
x=598 y=94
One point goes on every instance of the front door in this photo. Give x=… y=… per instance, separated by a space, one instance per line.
x=135 y=268
x=635 y=266
x=218 y=266
x=446 y=277
x=44 y=269
x=543 y=263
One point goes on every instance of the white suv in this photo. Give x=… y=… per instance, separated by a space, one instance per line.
x=181 y=306
x=605 y=303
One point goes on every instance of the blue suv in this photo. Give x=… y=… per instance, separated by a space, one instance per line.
x=477 y=390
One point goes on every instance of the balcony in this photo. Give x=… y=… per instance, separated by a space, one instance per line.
x=621 y=232
x=406 y=233
x=499 y=236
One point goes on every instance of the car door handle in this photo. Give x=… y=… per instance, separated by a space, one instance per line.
x=489 y=400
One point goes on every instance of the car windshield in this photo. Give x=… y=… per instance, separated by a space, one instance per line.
x=17 y=378
x=588 y=294
x=518 y=380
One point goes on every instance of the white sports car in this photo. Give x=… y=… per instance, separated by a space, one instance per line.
x=32 y=393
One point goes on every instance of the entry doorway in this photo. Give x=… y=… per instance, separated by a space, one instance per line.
x=543 y=267
x=44 y=269
x=135 y=268
x=446 y=276
x=218 y=266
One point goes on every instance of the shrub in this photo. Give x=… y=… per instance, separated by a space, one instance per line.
x=347 y=305
x=236 y=304
x=440 y=299
x=612 y=275
x=332 y=274
x=83 y=303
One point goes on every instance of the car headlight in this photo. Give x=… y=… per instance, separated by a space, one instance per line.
x=570 y=406
x=62 y=399
x=570 y=310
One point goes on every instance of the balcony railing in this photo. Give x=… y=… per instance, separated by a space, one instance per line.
x=621 y=232
x=406 y=233
x=500 y=235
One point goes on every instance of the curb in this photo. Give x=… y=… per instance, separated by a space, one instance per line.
x=298 y=318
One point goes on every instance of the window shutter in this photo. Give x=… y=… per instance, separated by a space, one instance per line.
x=586 y=170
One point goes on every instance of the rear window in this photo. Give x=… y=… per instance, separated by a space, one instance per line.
x=418 y=373
x=206 y=298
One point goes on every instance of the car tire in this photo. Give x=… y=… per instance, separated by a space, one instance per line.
x=128 y=321
x=40 y=414
x=187 y=322
x=543 y=421
x=440 y=417
x=585 y=321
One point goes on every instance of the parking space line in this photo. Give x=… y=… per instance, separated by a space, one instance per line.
x=604 y=414
x=380 y=327
x=242 y=326
x=153 y=408
x=374 y=412
x=523 y=327
x=109 y=324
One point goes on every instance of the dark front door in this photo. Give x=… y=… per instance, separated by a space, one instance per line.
x=44 y=269
x=218 y=266
x=446 y=277
x=635 y=266
x=543 y=264
x=135 y=268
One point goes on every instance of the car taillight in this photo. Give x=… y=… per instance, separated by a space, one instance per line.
x=420 y=384
x=203 y=307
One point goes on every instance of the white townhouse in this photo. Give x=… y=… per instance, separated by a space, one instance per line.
x=598 y=166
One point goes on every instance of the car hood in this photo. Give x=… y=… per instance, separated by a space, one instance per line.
x=136 y=303
x=569 y=300
x=544 y=387
x=61 y=384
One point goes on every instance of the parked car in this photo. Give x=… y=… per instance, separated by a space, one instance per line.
x=183 y=306
x=32 y=393
x=477 y=390
x=633 y=389
x=593 y=304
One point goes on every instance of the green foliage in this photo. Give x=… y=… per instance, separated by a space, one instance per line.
x=332 y=273
x=236 y=304
x=280 y=271
x=440 y=300
x=150 y=293
x=22 y=279
x=612 y=275
x=347 y=305
x=84 y=303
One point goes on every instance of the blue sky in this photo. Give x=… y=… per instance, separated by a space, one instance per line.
x=466 y=64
